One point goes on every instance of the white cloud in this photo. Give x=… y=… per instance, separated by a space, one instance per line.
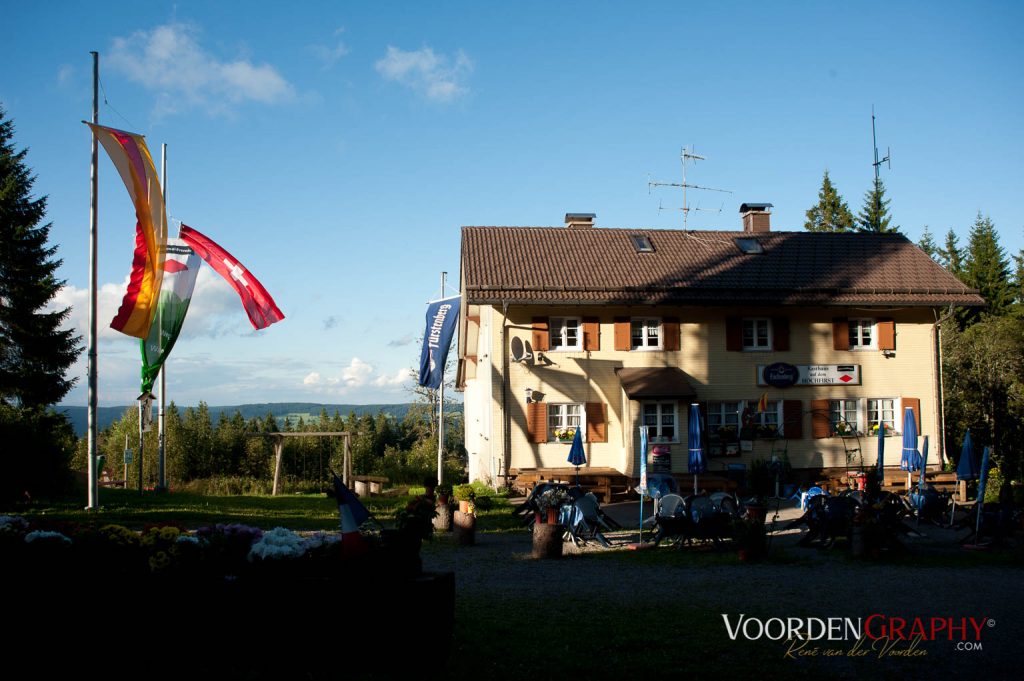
x=398 y=379
x=331 y=54
x=435 y=76
x=170 y=61
x=356 y=374
x=313 y=378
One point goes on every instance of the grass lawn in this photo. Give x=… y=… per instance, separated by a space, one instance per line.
x=294 y=511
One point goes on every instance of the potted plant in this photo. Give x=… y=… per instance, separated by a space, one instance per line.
x=565 y=434
x=465 y=495
x=443 y=493
x=549 y=505
x=750 y=537
x=443 y=520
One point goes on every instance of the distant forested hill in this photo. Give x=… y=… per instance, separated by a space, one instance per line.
x=107 y=415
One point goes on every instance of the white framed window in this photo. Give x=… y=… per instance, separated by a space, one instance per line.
x=564 y=420
x=757 y=334
x=566 y=333
x=662 y=421
x=645 y=333
x=882 y=411
x=767 y=423
x=844 y=415
x=724 y=420
x=862 y=334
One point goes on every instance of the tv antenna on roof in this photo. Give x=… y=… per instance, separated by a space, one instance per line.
x=874 y=142
x=687 y=155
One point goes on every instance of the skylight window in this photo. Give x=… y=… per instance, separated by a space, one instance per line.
x=749 y=246
x=642 y=243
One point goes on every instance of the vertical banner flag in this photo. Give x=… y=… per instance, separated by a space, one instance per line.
x=180 y=269
x=258 y=304
x=131 y=157
x=643 y=461
x=442 y=315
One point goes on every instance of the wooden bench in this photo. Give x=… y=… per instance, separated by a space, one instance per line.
x=368 y=485
x=603 y=482
x=106 y=480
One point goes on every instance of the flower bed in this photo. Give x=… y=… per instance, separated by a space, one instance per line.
x=227 y=599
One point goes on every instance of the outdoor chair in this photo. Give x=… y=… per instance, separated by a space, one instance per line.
x=584 y=522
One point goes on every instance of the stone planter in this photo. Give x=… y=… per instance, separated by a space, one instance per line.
x=465 y=528
x=443 y=519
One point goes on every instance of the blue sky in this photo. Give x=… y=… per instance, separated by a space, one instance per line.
x=336 y=148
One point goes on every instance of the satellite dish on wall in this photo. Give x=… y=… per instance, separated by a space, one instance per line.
x=519 y=353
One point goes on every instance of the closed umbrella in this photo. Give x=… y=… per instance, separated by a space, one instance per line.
x=982 y=481
x=577 y=457
x=966 y=469
x=911 y=460
x=881 y=453
x=696 y=463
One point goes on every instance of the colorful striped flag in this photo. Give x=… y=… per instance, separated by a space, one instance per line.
x=762 y=404
x=131 y=157
x=181 y=267
x=258 y=304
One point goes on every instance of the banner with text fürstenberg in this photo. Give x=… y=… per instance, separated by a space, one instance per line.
x=442 y=315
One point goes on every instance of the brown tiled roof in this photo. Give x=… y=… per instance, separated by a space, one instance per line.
x=602 y=266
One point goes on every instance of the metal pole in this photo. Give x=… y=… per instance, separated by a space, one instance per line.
x=142 y=436
x=162 y=386
x=94 y=488
x=440 y=411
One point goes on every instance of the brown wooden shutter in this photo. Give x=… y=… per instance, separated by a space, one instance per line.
x=915 y=404
x=780 y=331
x=597 y=422
x=840 y=333
x=540 y=334
x=793 y=419
x=622 y=333
x=537 y=422
x=591 y=334
x=821 y=425
x=734 y=334
x=886 y=334
x=670 y=327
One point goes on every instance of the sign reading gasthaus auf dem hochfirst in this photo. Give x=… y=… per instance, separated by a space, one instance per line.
x=782 y=375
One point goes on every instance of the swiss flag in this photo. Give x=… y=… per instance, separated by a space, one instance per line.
x=257 y=302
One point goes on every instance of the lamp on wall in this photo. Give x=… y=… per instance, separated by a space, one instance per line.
x=888 y=354
x=529 y=395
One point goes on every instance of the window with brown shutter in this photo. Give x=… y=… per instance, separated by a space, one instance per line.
x=622 y=333
x=915 y=404
x=591 y=334
x=734 y=334
x=886 y=334
x=840 y=333
x=821 y=425
x=780 y=331
x=670 y=328
x=540 y=334
x=597 y=422
x=537 y=422
x=792 y=419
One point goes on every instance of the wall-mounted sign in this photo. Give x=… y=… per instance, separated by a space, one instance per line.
x=781 y=375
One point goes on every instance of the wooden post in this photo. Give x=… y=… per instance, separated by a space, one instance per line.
x=347 y=465
x=278 y=453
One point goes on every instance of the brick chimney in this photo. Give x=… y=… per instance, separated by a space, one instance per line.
x=580 y=220
x=756 y=217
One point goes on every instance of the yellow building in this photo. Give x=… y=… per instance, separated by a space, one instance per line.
x=611 y=329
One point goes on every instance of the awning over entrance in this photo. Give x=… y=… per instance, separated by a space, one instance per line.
x=650 y=383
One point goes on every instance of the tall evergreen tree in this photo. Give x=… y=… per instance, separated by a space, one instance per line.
x=928 y=245
x=831 y=213
x=874 y=216
x=35 y=353
x=1018 y=281
x=951 y=256
x=987 y=268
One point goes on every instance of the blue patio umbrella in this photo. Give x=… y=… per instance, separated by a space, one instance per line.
x=697 y=462
x=881 y=453
x=577 y=457
x=911 y=460
x=967 y=466
x=924 y=460
x=982 y=481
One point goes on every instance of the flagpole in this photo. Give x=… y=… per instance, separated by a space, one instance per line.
x=162 y=387
x=440 y=410
x=93 y=475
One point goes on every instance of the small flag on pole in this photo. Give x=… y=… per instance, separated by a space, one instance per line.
x=762 y=404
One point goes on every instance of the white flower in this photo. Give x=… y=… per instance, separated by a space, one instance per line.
x=278 y=543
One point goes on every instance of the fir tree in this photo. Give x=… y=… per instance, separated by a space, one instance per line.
x=928 y=245
x=1018 y=280
x=986 y=267
x=874 y=216
x=831 y=213
x=35 y=353
x=950 y=255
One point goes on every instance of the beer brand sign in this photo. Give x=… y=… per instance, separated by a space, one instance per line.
x=782 y=375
